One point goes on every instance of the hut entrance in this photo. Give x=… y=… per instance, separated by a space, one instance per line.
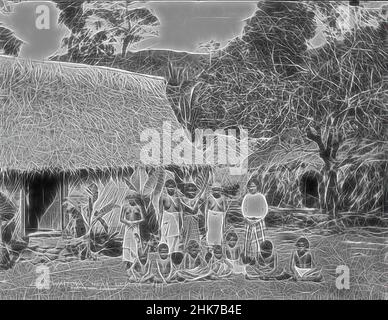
x=309 y=187
x=43 y=204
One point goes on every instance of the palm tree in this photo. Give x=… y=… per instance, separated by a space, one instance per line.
x=138 y=25
x=93 y=207
x=91 y=215
x=182 y=94
x=123 y=26
x=148 y=184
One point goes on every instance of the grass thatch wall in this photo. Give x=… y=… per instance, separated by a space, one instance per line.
x=68 y=116
x=360 y=188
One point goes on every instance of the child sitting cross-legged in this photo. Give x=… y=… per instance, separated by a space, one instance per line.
x=140 y=271
x=265 y=265
x=194 y=266
x=163 y=265
x=177 y=266
x=302 y=265
x=220 y=267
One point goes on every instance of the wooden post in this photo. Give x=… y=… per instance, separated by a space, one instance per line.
x=23 y=210
x=354 y=13
x=62 y=195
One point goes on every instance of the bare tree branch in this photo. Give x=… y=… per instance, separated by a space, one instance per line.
x=315 y=137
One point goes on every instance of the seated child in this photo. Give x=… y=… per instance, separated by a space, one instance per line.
x=176 y=259
x=140 y=270
x=164 y=265
x=76 y=226
x=233 y=252
x=265 y=265
x=302 y=265
x=193 y=258
x=209 y=255
x=220 y=267
x=194 y=266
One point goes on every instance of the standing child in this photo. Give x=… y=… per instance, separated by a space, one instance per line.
x=131 y=216
x=215 y=211
x=302 y=265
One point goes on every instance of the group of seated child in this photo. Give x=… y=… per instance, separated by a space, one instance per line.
x=220 y=263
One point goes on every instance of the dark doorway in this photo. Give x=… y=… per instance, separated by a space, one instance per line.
x=43 y=204
x=309 y=185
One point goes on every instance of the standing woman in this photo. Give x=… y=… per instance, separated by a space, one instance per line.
x=131 y=216
x=192 y=216
x=254 y=209
x=171 y=217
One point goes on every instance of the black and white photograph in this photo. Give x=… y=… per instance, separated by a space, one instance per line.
x=193 y=150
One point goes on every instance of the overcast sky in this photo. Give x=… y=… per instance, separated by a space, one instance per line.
x=184 y=25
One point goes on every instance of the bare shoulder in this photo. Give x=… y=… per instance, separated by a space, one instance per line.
x=307 y=256
x=178 y=201
x=124 y=207
x=200 y=261
x=294 y=255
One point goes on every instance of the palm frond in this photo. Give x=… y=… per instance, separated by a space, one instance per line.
x=139 y=179
x=7 y=208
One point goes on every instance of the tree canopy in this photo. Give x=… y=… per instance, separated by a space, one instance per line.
x=100 y=30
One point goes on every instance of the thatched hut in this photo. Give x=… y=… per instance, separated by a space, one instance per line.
x=60 y=122
x=294 y=178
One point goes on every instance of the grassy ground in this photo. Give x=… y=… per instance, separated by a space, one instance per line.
x=362 y=252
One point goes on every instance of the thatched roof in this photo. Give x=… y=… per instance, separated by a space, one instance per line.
x=66 y=116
